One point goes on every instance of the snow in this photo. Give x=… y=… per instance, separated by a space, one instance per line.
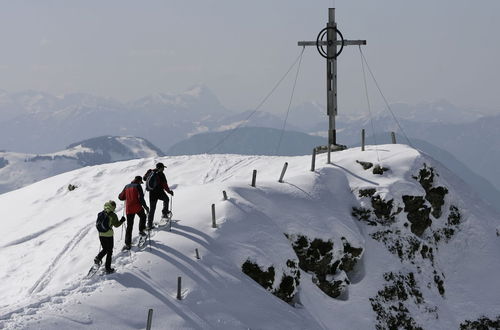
x=49 y=241
x=22 y=169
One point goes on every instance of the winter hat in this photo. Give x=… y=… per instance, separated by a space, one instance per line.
x=160 y=165
x=138 y=179
x=110 y=206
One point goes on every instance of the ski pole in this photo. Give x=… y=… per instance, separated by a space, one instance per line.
x=123 y=214
x=149 y=239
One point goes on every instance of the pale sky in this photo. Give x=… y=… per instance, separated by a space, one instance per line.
x=419 y=50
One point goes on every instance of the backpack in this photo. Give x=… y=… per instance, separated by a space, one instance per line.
x=102 y=222
x=151 y=178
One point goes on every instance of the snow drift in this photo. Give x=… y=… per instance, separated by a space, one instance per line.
x=338 y=248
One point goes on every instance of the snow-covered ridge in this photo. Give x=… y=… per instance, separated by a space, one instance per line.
x=18 y=169
x=442 y=273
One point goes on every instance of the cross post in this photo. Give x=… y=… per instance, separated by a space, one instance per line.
x=331 y=53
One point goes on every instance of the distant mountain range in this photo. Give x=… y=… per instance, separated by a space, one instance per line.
x=18 y=169
x=248 y=141
x=36 y=122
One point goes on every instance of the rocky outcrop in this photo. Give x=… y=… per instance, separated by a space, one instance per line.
x=481 y=323
x=284 y=287
x=392 y=304
x=329 y=270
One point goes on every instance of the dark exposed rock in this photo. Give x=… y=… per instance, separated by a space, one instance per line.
x=482 y=323
x=383 y=210
x=286 y=290
x=439 y=283
x=418 y=214
x=350 y=258
x=264 y=277
x=287 y=287
x=363 y=214
x=316 y=257
x=454 y=217
x=379 y=169
x=390 y=303
x=403 y=246
x=365 y=165
x=452 y=225
x=367 y=192
x=425 y=177
x=435 y=195
x=72 y=187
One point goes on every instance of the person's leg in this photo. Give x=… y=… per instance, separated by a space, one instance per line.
x=109 y=251
x=165 y=200
x=142 y=220
x=153 y=199
x=130 y=227
x=101 y=253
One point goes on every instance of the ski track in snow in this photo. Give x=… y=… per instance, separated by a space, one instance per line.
x=34 y=235
x=89 y=284
x=219 y=169
x=44 y=280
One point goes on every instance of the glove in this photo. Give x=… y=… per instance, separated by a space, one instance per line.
x=122 y=219
x=146 y=208
x=171 y=192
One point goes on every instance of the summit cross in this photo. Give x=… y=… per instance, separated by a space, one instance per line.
x=331 y=54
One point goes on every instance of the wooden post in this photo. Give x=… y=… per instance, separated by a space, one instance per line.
x=328 y=160
x=224 y=194
x=179 y=282
x=363 y=139
x=285 y=166
x=393 y=136
x=254 y=177
x=150 y=319
x=214 y=225
x=197 y=253
x=313 y=161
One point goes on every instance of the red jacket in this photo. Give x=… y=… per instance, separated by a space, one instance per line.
x=133 y=196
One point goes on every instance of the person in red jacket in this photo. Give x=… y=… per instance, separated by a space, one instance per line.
x=133 y=196
x=157 y=185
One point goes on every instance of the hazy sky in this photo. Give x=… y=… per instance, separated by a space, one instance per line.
x=419 y=50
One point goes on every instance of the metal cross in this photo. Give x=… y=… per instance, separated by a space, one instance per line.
x=331 y=55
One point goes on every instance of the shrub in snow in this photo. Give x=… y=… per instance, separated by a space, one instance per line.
x=369 y=192
x=72 y=187
x=434 y=195
x=482 y=323
x=379 y=169
x=383 y=211
x=392 y=304
x=365 y=165
x=285 y=288
x=417 y=214
x=317 y=257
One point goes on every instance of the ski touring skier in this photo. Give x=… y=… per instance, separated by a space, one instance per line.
x=106 y=219
x=133 y=196
x=156 y=184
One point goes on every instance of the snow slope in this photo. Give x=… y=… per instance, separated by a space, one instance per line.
x=18 y=169
x=49 y=241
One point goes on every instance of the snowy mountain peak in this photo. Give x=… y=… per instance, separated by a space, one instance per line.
x=18 y=170
x=384 y=238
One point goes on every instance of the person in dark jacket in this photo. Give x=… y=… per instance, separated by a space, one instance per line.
x=106 y=238
x=158 y=193
x=133 y=196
